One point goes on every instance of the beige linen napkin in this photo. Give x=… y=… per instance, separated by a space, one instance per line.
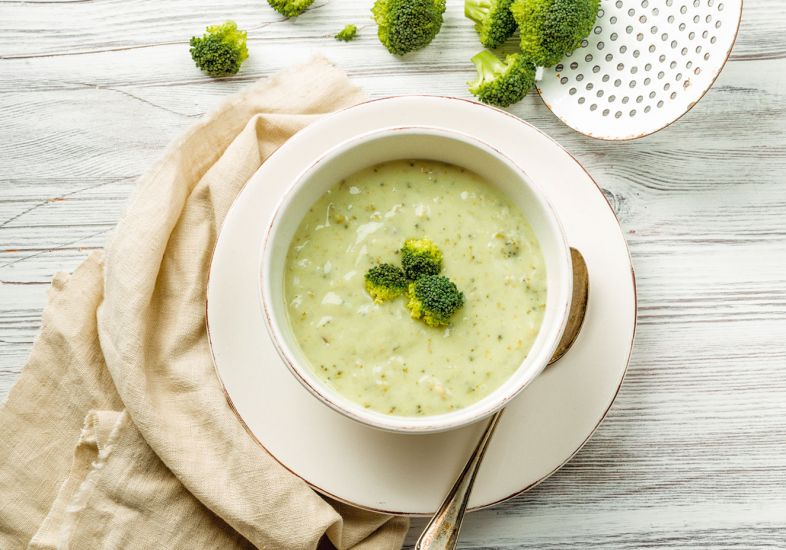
x=117 y=434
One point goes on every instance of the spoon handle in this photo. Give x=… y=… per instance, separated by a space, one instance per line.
x=442 y=531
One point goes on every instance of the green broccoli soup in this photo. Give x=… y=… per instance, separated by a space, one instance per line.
x=414 y=287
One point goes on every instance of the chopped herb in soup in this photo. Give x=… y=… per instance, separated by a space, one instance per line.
x=363 y=339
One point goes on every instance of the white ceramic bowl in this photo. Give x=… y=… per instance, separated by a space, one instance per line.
x=430 y=143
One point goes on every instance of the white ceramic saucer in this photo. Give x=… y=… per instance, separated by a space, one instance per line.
x=409 y=474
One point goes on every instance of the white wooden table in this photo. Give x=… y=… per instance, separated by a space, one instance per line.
x=693 y=453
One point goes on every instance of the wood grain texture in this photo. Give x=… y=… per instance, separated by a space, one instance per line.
x=693 y=453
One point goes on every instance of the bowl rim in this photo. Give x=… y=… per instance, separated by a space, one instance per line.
x=410 y=424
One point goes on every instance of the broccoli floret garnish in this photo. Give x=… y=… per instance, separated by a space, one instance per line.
x=552 y=28
x=434 y=299
x=420 y=257
x=290 y=8
x=493 y=20
x=221 y=50
x=501 y=83
x=385 y=282
x=347 y=33
x=407 y=25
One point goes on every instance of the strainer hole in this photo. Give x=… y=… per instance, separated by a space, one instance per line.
x=588 y=57
x=579 y=77
x=691 y=35
x=623 y=48
x=660 y=103
x=612 y=19
x=652 y=48
x=673 y=64
x=698 y=49
x=636 y=53
x=647 y=109
x=633 y=112
x=620 y=66
x=589 y=85
x=559 y=68
x=617 y=83
x=605 y=112
x=581 y=100
x=613 y=36
x=639 y=99
x=629 y=29
x=625 y=99
x=664 y=37
x=660 y=74
x=689 y=64
x=599 y=93
x=596 y=69
x=673 y=95
x=600 y=45
x=609 y=57
x=563 y=80
x=618 y=114
x=678 y=77
x=684 y=10
x=670 y=19
x=648 y=66
x=645 y=3
x=720 y=6
x=593 y=107
x=696 y=18
x=618 y=3
x=673 y=44
x=605 y=78
x=717 y=24
x=632 y=84
x=684 y=51
x=708 y=18
x=653 y=29
x=634 y=69
x=643 y=19
x=647 y=81
x=574 y=65
x=713 y=40
x=706 y=56
x=666 y=87
x=572 y=91
x=612 y=98
x=652 y=95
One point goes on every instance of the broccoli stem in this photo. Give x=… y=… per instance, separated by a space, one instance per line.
x=489 y=66
x=477 y=10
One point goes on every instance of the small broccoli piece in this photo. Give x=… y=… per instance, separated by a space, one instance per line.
x=434 y=298
x=550 y=29
x=290 y=8
x=385 y=282
x=420 y=257
x=407 y=25
x=221 y=50
x=501 y=83
x=347 y=33
x=493 y=20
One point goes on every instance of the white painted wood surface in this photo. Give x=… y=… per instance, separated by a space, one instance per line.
x=693 y=453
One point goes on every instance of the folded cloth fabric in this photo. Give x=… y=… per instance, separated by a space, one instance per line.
x=117 y=433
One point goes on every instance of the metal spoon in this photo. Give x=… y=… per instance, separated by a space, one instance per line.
x=442 y=531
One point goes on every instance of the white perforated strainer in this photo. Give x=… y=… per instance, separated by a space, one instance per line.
x=646 y=63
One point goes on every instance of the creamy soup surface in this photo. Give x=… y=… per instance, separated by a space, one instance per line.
x=375 y=354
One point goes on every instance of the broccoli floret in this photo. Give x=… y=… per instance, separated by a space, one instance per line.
x=290 y=8
x=385 y=282
x=407 y=25
x=221 y=50
x=420 y=257
x=347 y=33
x=501 y=83
x=434 y=298
x=493 y=20
x=550 y=29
